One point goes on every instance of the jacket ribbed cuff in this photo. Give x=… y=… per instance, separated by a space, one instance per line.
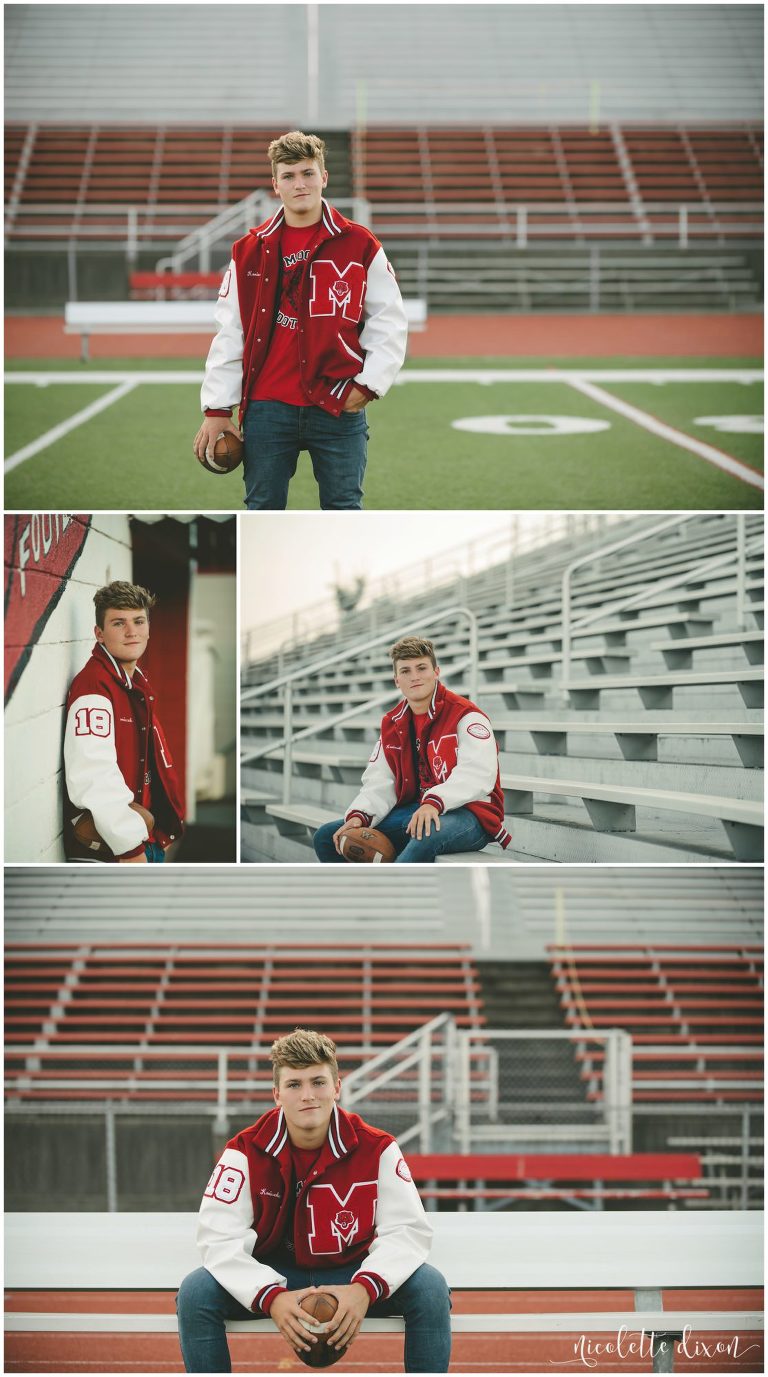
x=374 y=1284
x=434 y=802
x=364 y=818
x=128 y=855
x=267 y=1296
x=218 y=411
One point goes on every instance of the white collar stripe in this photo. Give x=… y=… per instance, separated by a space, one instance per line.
x=338 y=1128
x=276 y=1133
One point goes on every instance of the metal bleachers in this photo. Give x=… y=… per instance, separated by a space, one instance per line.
x=638 y=738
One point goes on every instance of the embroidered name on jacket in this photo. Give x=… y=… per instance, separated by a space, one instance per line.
x=335 y=1220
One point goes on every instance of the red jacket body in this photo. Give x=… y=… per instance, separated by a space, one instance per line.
x=115 y=753
x=352 y=322
x=456 y=765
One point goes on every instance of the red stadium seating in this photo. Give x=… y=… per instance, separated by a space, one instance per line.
x=695 y=1016
x=481 y=173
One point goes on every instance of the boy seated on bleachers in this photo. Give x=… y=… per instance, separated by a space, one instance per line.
x=432 y=784
x=310 y=1198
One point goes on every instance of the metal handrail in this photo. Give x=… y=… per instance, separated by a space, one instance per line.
x=445 y=572
x=288 y=680
x=569 y=626
x=616 y=1105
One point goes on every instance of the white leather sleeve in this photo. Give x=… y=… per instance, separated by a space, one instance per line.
x=385 y=332
x=223 y=381
x=474 y=774
x=378 y=795
x=94 y=779
x=225 y=1233
x=403 y=1231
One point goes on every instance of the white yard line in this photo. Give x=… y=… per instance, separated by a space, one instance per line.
x=718 y=457
x=72 y=422
x=432 y=375
x=115 y=375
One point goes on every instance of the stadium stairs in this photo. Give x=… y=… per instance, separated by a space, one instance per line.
x=654 y=754
x=97 y=1025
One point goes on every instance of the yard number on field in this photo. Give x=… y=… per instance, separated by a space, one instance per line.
x=531 y=425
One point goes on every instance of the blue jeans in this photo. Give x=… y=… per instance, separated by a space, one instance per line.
x=154 y=853
x=459 y=831
x=423 y=1300
x=275 y=433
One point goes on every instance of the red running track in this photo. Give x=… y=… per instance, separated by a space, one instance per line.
x=479 y=1353
x=493 y=336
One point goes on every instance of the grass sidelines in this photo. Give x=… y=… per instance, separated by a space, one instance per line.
x=629 y=436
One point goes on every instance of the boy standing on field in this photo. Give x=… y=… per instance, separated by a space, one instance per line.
x=432 y=785
x=311 y=329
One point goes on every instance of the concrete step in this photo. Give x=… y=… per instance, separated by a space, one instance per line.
x=678 y=654
x=656 y=690
x=637 y=740
x=612 y=808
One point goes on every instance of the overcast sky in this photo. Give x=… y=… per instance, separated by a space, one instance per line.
x=291 y=560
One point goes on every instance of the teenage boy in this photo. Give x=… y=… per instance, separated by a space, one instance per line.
x=310 y=1198
x=115 y=752
x=311 y=329
x=432 y=784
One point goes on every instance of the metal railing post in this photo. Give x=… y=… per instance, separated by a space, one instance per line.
x=521 y=226
x=462 y=1091
x=222 y=1117
x=565 y=667
x=473 y=654
x=425 y=1091
x=132 y=246
x=682 y=224
x=111 y=1157
x=745 y=1158
x=741 y=569
x=288 y=740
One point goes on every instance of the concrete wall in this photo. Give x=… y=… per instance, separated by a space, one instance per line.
x=34 y=715
x=212 y=729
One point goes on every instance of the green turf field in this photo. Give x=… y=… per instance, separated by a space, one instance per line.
x=449 y=435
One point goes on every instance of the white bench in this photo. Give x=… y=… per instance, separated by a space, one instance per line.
x=642 y=1251
x=86 y=318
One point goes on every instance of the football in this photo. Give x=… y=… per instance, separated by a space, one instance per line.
x=321 y=1306
x=366 y=846
x=85 y=832
x=228 y=452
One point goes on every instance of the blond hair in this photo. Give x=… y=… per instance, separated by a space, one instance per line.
x=123 y=596
x=303 y=1048
x=294 y=148
x=412 y=648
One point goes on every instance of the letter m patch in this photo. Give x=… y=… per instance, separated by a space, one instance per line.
x=337 y=1221
x=337 y=290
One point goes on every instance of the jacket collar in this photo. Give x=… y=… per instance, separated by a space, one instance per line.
x=271 y=1136
x=109 y=662
x=333 y=223
x=438 y=698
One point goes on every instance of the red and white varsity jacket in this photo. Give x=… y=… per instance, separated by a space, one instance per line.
x=458 y=758
x=352 y=323
x=359 y=1205
x=115 y=753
